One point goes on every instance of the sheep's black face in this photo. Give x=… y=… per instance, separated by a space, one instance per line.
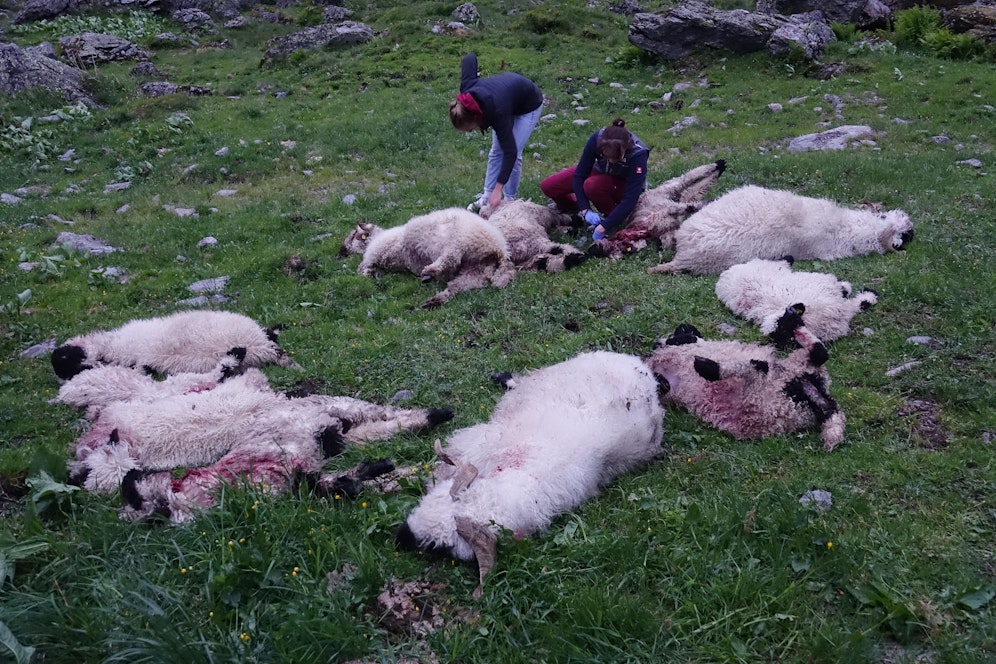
x=69 y=361
x=905 y=238
x=405 y=540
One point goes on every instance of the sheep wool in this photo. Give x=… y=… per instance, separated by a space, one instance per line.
x=454 y=246
x=526 y=226
x=189 y=341
x=753 y=222
x=746 y=389
x=552 y=441
x=761 y=291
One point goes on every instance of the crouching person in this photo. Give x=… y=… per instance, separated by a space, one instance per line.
x=610 y=176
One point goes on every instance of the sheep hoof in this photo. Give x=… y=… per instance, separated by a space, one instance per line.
x=663 y=385
x=573 y=260
x=720 y=166
x=597 y=250
x=818 y=355
x=439 y=415
x=706 y=368
x=368 y=470
x=426 y=278
x=129 y=488
x=331 y=442
x=503 y=378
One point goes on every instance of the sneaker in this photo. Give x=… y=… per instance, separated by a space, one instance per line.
x=479 y=203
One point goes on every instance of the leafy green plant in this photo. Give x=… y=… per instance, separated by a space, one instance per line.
x=845 y=32
x=913 y=24
x=946 y=44
x=134 y=25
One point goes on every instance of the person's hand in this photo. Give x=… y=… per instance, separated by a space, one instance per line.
x=495 y=199
x=598 y=233
x=593 y=218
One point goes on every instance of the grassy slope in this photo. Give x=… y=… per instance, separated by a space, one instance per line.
x=707 y=556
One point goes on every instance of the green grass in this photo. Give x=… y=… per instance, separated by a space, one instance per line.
x=706 y=556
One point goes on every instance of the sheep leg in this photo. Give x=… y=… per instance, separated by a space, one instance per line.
x=665 y=268
x=459 y=284
x=443 y=268
x=694 y=184
x=372 y=422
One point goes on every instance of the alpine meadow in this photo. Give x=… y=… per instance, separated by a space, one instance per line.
x=235 y=192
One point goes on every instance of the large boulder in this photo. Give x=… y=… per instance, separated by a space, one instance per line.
x=862 y=13
x=694 y=26
x=319 y=36
x=92 y=48
x=21 y=69
x=977 y=20
x=39 y=10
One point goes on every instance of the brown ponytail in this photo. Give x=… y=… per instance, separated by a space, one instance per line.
x=615 y=140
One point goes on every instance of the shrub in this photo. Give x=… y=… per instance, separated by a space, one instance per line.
x=945 y=44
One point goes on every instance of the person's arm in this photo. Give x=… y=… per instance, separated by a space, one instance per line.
x=636 y=182
x=583 y=170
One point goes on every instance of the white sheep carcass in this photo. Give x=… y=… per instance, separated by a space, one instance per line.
x=526 y=227
x=237 y=425
x=746 y=389
x=761 y=291
x=553 y=440
x=753 y=222
x=95 y=388
x=660 y=211
x=454 y=246
x=188 y=341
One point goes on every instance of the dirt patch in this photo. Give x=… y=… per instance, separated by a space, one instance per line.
x=926 y=427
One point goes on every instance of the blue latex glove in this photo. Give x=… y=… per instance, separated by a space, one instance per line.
x=593 y=218
x=597 y=236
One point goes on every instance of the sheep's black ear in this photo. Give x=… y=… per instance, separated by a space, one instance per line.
x=596 y=251
x=784 y=333
x=439 y=415
x=760 y=365
x=238 y=352
x=345 y=486
x=556 y=250
x=404 y=539
x=331 y=442
x=115 y=437
x=541 y=264
x=788 y=259
x=79 y=477
x=129 y=488
x=663 y=385
x=706 y=368
x=720 y=166
x=370 y=469
x=687 y=328
x=905 y=238
x=67 y=361
x=818 y=354
x=272 y=333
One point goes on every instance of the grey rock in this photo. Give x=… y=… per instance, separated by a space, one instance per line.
x=818 y=498
x=212 y=285
x=163 y=88
x=116 y=186
x=401 y=395
x=9 y=199
x=466 y=13
x=21 y=69
x=208 y=241
x=40 y=350
x=203 y=301
x=195 y=20
x=337 y=34
x=832 y=139
x=974 y=163
x=807 y=33
x=92 y=48
x=335 y=14
x=895 y=371
x=40 y=10
x=85 y=243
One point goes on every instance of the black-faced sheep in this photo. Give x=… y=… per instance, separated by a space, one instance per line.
x=188 y=341
x=553 y=440
x=761 y=291
x=526 y=227
x=746 y=389
x=660 y=211
x=752 y=222
x=454 y=246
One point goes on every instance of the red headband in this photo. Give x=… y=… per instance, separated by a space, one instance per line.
x=467 y=101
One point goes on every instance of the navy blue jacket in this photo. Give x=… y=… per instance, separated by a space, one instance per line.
x=501 y=97
x=632 y=168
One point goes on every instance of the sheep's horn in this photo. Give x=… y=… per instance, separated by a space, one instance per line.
x=485 y=546
x=443 y=456
x=465 y=474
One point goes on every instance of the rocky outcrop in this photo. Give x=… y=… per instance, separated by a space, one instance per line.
x=862 y=13
x=976 y=20
x=23 y=68
x=92 y=48
x=692 y=26
x=337 y=34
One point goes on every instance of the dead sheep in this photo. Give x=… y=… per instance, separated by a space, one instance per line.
x=660 y=212
x=746 y=390
x=753 y=222
x=761 y=291
x=189 y=341
x=557 y=436
x=95 y=388
x=454 y=246
x=235 y=422
x=526 y=227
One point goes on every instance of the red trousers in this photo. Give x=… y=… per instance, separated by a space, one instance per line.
x=603 y=191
